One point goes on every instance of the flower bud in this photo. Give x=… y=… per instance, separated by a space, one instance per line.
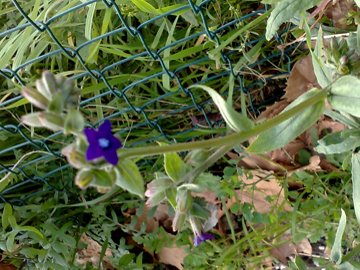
x=183 y=200
x=35 y=98
x=74 y=157
x=84 y=178
x=32 y=120
x=51 y=121
x=178 y=221
x=46 y=85
x=156 y=190
x=100 y=179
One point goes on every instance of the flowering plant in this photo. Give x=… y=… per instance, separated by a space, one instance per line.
x=105 y=163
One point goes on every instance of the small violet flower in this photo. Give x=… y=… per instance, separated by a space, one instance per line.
x=202 y=238
x=102 y=143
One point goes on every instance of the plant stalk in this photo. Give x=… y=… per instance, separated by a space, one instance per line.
x=229 y=140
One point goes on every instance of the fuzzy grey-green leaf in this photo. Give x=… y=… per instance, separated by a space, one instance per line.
x=336 y=252
x=355 y=172
x=129 y=177
x=174 y=166
x=345 y=95
x=339 y=142
x=281 y=134
x=284 y=11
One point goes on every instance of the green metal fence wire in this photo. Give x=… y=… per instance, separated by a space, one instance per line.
x=41 y=174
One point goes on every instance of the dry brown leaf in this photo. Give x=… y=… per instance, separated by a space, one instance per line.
x=328 y=125
x=5 y=266
x=274 y=109
x=313 y=166
x=286 y=155
x=173 y=256
x=302 y=78
x=257 y=190
x=283 y=251
x=92 y=253
x=338 y=12
x=151 y=223
x=253 y=161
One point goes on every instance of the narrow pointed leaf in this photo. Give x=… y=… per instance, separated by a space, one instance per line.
x=236 y=121
x=336 y=252
x=355 y=171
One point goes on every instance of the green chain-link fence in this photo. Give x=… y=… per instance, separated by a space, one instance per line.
x=167 y=49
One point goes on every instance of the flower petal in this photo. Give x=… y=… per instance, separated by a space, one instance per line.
x=105 y=128
x=115 y=143
x=111 y=156
x=202 y=238
x=91 y=136
x=93 y=152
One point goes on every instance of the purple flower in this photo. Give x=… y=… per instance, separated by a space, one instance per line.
x=202 y=238
x=102 y=143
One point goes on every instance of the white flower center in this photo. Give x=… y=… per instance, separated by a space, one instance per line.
x=104 y=143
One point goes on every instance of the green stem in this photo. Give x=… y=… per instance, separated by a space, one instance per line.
x=219 y=153
x=230 y=140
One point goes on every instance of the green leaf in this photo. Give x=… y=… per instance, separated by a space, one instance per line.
x=10 y=245
x=357 y=3
x=145 y=7
x=347 y=266
x=281 y=134
x=300 y=264
x=51 y=121
x=89 y=20
x=129 y=177
x=336 y=252
x=7 y=213
x=345 y=95
x=126 y=259
x=174 y=166
x=233 y=119
x=355 y=171
x=31 y=229
x=284 y=11
x=32 y=253
x=339 y=142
